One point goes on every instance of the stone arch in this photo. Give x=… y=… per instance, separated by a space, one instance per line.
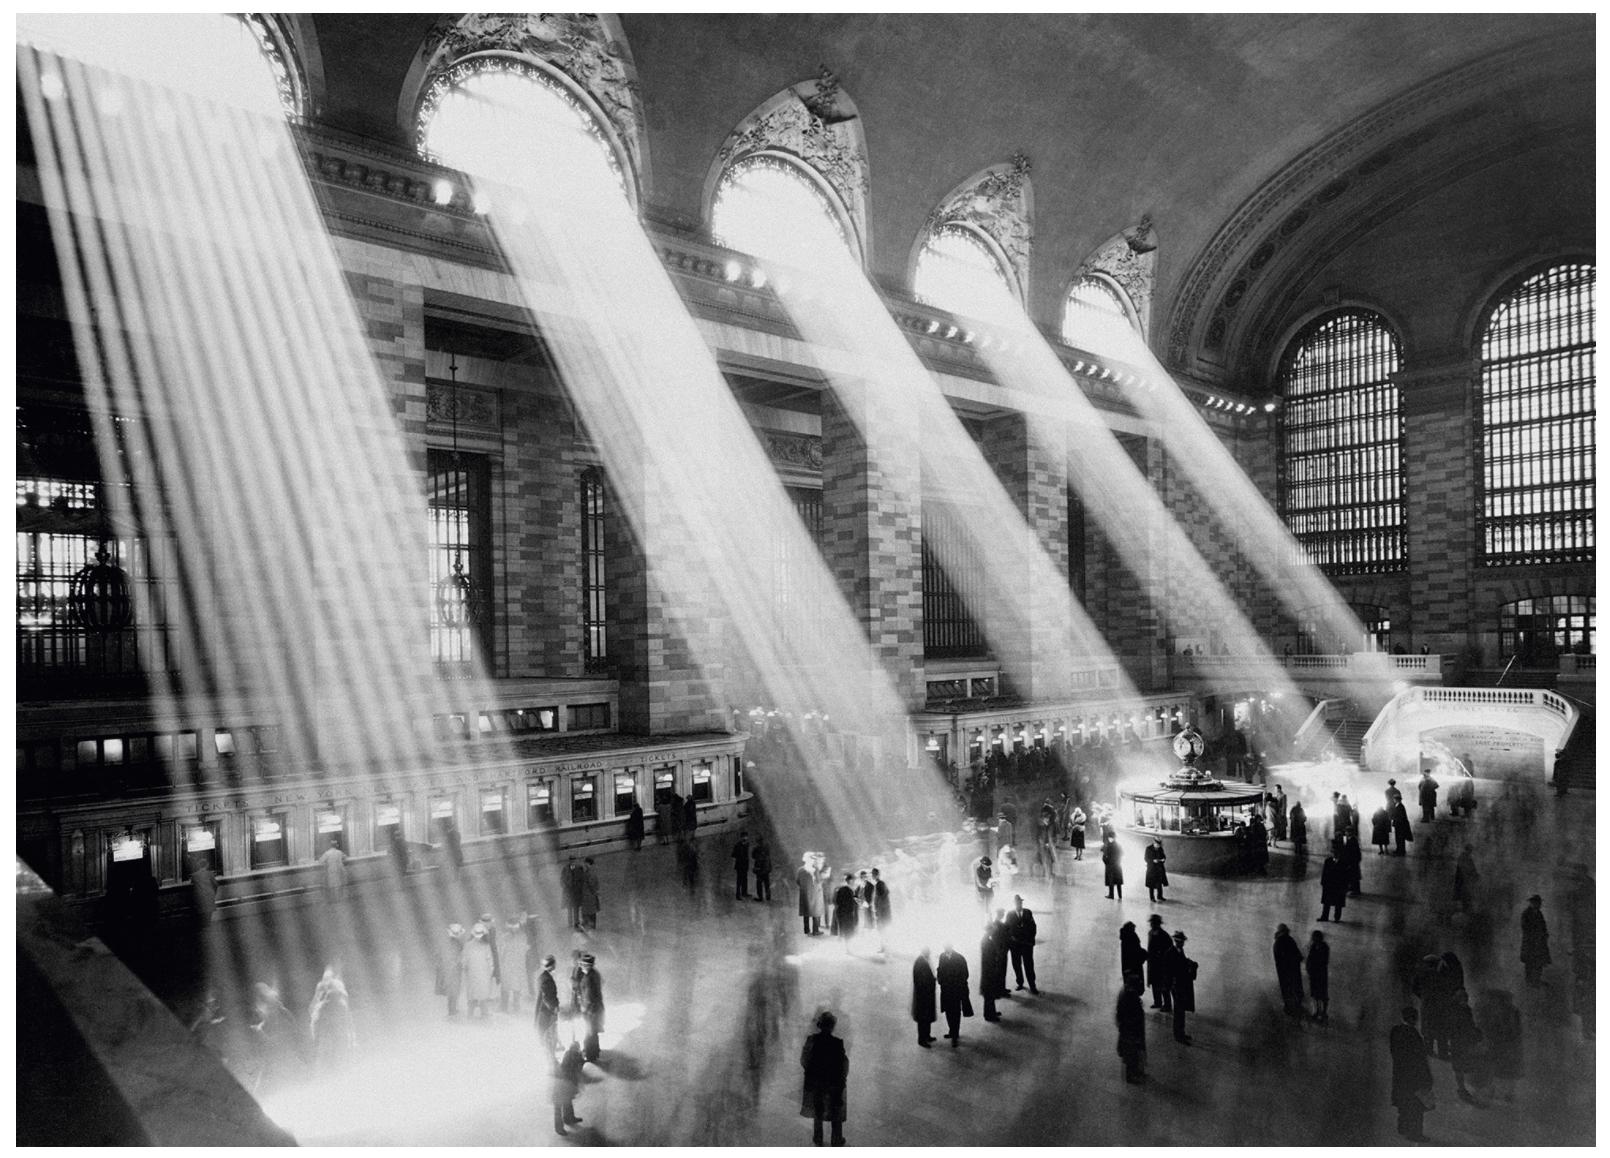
x=997 y=203
x=1473 y=319
x=1127 y=261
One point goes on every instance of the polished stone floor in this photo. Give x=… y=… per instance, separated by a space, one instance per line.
x=709 y=1000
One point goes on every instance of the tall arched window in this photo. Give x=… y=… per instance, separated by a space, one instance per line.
x=1096 y=318
x=1341 y=479
x=1538 y=631
x=959 y=271
x=769 y=206
x=594 y=588
x=1537 y=421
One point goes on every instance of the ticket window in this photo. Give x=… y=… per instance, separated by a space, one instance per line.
x=583 y=798
x=200 y=844
x=270 y=848
x=494 y=816
x=539 y=804
x=625 y=793
x=388 y=823
x=330 y=824
x=223 y=743
x=128 y=863
x=442 y=819
x=702 y=789
x=664 y=784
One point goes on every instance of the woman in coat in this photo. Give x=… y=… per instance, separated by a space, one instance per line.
x=1131 y=955
x=1381 y=830
x=1076 y=833
x=480 y=976
x=922 y=999
x=1318 y=966
x=1299 y=829
x=1156 y=872
x=1113 y=857
x=827 y=1073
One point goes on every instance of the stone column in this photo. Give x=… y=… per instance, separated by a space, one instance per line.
x=1030 y=459
x=1440 y=498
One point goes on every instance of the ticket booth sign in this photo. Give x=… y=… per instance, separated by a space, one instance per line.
x=127 y=846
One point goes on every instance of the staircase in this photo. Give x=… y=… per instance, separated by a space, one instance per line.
x=1579 y=752
x=1347 y=737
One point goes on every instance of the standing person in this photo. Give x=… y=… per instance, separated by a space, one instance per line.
x=1076 y=833
x=954 y=1001
x=203 y=889
x=450 y=968
x=810 y=896
x=1156 y=870
x=984 y=881
x=1021 y=934
x=922 y=999
x=1401 y=829
x=1464 y=1040
x=588 y=999
x=824 y=885
x=335 y=871
x=575 y=884
x=827 y=1075
x=589 y=894
x=330 y=1022
x=399 y=851
x=740 y=865
x=662 y=820
x=1332 y=888
x=1299 y=830
x=515 y=979
x=1381 y=829
x=846 y=906
x=1534 y=940
x=992 y=965
x=882 y=908
x=566 y=1085
x=690 y=816
x=760 y=865
x=1465 y=877
x=1289 y=971
x=548 y=1007
x=1501 y=1024
x=1352 y=858
x=634 y=826
x=1131 y=1020
x=1159 y=951
x=1045 y=855
x=1112 y=856
x=1411 y=1076
x=1319 y=975
x=453 y=844
x=1428 y=797
x=1182 y=977
x=674 y=813
x=480 y=971
x=1131 y=957
x=1277 y=813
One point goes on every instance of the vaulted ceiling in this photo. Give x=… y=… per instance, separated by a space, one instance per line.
x=1265 y=149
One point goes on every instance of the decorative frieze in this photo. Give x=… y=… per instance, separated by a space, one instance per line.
x=470 y=405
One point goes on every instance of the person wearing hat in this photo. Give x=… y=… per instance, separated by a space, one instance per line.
x=1411 y=1076
x=1021 y=934
x=1289 y=970
x=1318 y=966
x=827 y=1074
x=548 y=1006
x=1182 y=980
x=984 y=881
x=1112 y=856
x=566 y=1085
x=588 y=999
x=1534 y=940
x=450 y=967
x=954 y=1002
x=1132 y=1030
x=1159 y=955
x=480 y=971
x=514 y=980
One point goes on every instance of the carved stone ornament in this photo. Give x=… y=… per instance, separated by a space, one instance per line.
x=999 y=202
x=1130 y=260
x=589 y=49
x=475 y=407
x=279 y=51
x=816 y=123
x=797 y=450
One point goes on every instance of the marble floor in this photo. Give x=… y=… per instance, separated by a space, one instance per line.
x=709 y=1000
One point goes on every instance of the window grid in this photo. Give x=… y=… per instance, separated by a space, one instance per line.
x=595 y=629
x=1538 y=631
x=795 y=601
x=1342 y=437
x=948 y=629
x=1538 y=422
x=460 y=511
x=1094 y=319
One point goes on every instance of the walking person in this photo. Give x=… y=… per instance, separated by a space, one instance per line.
x=992 y=955
x=575 y=884
x=846 y=907
x=1352 y=858
x=1411 y=1076
x=827 y=1075
x=1534 y=940
x=1332 y=888
x=740 y=865
x=566 y=1084
x=1021 y=934
x=984 y=881
x=760 y=865
x=480 y=972
x=1156 y=871
x=1112 y=856
x=1464 y=1041
x=1318 y=966
x=1131 y=1020
x=1182 y=978
x=513 y=978
x=1131 y=956
x=954 y=1001
x=922 y=999
x=1299 y=830
x=1289 y=971
x=1159 y=953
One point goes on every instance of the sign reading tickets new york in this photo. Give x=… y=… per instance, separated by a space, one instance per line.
x=1494 y=751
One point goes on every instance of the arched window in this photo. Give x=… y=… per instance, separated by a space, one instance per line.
x=958 y=271
x=1096 y=318
x=1538 y=631
x=594 y=588
x=260 y=31
x=1341 y=479
x=499 y=117
x=1537 y=421
x=769 y=206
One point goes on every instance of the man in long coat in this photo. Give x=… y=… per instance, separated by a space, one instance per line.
x=827 y=1074
x=953 y=1000
x=1411 y=1076
x=589 y=1002
x=1319 y=975
x=1332 y=888
x=846 y=910
x=1112 y=856
x=1159 y=952
x=548 y=1006
x=1428 y=797
x=922 y=999
x=1289 y=971
x=1182 y=979
x=1132 y=1030
x=1534 y=940
x=992 y=965
x=810 y=897
x=1401 y=829
x=1021 y=934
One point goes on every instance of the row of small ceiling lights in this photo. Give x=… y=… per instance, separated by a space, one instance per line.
x=1216 y=403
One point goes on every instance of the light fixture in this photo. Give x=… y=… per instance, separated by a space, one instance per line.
x=733 y=271
x=1269 y=407
x=442 y=191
